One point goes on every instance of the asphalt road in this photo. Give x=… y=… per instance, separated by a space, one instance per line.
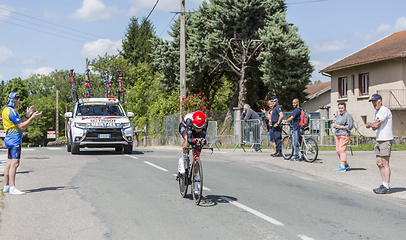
x=100 y=194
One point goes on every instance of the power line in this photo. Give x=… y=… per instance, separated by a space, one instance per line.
x=49 y=22
x=50 y=28
x=145 y=20
x=168 y=25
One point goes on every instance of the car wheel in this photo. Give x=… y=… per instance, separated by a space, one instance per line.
x=75 y=149
x=128 y=149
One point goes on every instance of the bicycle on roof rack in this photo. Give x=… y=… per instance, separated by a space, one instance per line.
x=107 y=86
x=74 y=88
x=87 y=93
x=120 y=88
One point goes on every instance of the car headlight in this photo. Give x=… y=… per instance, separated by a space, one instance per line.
x=80 y=125
x=125 y=125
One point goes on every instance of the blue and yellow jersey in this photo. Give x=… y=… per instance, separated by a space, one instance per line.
x=13 y=133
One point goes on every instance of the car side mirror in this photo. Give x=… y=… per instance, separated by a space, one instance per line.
x=68 y=114
x=130 y=114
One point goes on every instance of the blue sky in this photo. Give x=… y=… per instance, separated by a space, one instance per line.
x=43 y=36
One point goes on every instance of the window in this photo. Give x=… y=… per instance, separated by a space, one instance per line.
x=363 y=84
x=342 y=87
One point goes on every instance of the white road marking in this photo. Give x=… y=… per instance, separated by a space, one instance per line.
x=256 y=213
x=156 y=166
x=131 y=156
x=303 y=237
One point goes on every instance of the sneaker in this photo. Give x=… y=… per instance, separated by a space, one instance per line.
x=347 y=166
x=15 y=191
x=181 y=166
x=6 y=189
x=382 y=190
x=277 y=154
x=295 y=159
x=196 y=187
x=340 y=169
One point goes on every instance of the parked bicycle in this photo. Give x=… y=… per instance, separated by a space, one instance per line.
x=193 y=175
x=308 y=147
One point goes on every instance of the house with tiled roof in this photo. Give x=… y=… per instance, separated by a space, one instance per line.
x=379 y=68
x=318 y=95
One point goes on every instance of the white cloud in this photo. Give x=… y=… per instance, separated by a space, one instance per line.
x=384 y=28
x=26 y=73
x=5 y=54
x=33 y=60
x=400 y=24
x=94 y=10
x=92 y=50
x=51 y=15
x=330 y=46
x=5 y=12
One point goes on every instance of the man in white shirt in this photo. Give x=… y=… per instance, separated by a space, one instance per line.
x=384 y=138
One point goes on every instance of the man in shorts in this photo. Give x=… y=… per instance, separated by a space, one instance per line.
x=384 y=138
x=14 y=126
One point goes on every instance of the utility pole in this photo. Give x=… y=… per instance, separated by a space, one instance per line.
x=182 y=53
x=57 y=117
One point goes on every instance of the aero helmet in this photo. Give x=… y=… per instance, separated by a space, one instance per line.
x=198 y=119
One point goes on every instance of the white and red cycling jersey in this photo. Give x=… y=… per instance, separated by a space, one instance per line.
x=186 y=127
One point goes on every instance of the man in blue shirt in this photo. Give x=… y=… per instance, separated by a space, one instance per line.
x=14 y=126
x=276 y=120
x=295 y=119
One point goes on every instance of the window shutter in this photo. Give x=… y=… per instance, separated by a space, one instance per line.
x=340 y=82
x=360 y=84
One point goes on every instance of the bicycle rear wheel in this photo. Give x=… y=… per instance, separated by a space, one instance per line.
x=287 y=147
x=197 y=181
x=182 y=184
x=311 y=150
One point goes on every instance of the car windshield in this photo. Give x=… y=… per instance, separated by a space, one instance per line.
x=99 y=109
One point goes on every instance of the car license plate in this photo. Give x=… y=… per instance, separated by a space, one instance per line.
x=104 y=135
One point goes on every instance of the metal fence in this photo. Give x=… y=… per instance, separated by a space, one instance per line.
x=324 y=132
x=247 y=132
x=211 y=134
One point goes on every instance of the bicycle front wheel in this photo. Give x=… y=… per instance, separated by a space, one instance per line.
x=311 y=150
x=182 y=184
x=197 y=181
x=287 y=147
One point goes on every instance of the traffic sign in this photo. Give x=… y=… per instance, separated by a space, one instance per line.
x=51 y=134
x=2 y=133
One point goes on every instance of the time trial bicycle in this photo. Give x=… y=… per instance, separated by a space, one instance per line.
x=193 y=175
x=308 y=147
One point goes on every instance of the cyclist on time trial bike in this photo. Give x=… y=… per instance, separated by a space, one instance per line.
x=193 y=129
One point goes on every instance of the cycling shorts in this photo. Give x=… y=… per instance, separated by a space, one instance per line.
x=14 y=152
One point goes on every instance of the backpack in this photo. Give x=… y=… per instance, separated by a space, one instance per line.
x=304 y=118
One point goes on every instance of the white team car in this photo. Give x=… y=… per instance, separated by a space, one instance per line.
x=99 y=123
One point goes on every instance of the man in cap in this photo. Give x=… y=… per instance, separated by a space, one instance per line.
x=276 y=120
x=14 y=126
x=384 y=138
